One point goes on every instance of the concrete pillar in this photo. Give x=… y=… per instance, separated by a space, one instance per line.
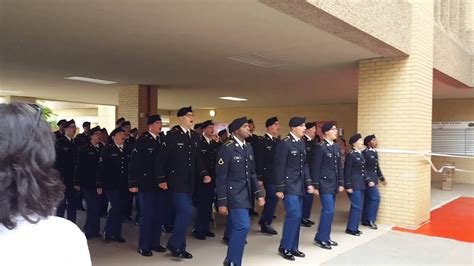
x=395 y=103
x=136 y=102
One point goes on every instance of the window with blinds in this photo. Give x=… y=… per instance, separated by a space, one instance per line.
x=454 y=138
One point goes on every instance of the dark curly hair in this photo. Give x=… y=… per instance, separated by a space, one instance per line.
x=30 y=186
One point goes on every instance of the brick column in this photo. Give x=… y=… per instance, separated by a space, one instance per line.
x=136 y=102
x=395 y=103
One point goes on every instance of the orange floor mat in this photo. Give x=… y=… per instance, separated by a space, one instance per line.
x=455 y=220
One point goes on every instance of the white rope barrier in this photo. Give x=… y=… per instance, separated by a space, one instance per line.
x=427 y=155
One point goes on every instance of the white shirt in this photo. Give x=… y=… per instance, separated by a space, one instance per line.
x=153 y=135
x=53 y=241
x=329 y=141
x=308 y=137
x=207 y=139
x=270 y=135
x=297 y=139
x=241 y=144
x=186 y=131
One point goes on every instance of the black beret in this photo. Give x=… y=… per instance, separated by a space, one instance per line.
x=250 y=121
x=104 y=130
x=309 y=125
x=270 y=121
x=296 y=121
x=355 y=138
x=86 y=124
x=206 y=124
x=222 y=132
x=368 y=139
x=152 y=119
x=115 y=131
x=326 y=127
x=125 y=123
x=198 y=125
x=134 y=129
x=95 y=129
x=237 y=123
x=183 y=111
x=70 y=122
x=61 y=122
x=120 y=120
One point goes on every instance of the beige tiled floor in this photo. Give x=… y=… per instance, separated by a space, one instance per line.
x=261 y=249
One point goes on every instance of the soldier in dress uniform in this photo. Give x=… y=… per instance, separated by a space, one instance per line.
x=236 y=188
x=127 y=207
x=143 y=177
x=205 y=191
x=355 y=179
x=372 y=196
x=264 y=158
x=85 y=180
x=83 y=138
x=328 y=180
x=223 y=136
x=65 y=162
x=310 y=143
x=183 y=161
x=119 y=122
x=60 y=132
x=292 y=182
x=113 y=175
x=197 y=129
x=252 y=139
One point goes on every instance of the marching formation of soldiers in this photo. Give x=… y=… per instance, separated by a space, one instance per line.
x=191 y=167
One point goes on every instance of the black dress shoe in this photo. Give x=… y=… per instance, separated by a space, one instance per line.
x=322 y=244
x=298 y=253
x=114 y=239
x=167 y=229
x=268 y=229
x=159 y=249
x=184 y=255
x=312 y=222
x=306 y=223
x=145 y=252
x=351 y=232
x=332 y=243
x=199 y=236
x=370 y=224
x=210 y=234
x=228 y=263
x=286 y=254
x=252 y=212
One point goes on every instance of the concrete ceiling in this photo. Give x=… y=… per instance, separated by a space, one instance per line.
x=181 y=46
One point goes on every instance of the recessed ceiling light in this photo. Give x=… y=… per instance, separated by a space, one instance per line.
x=9 y=92
x=258 y=60
x=230 y=98
x=92 y=80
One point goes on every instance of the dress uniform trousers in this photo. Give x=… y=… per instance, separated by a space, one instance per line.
x=328 y=202
x=291 y=228
x=92 y=226
x=152 y=204
x=307 y=205
x=205 y=195
x=371 y=204
x=113 y=226
x=68 y=205
x=238 y=225
x=271 y=201
x=356 y=197
x=183 y=205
